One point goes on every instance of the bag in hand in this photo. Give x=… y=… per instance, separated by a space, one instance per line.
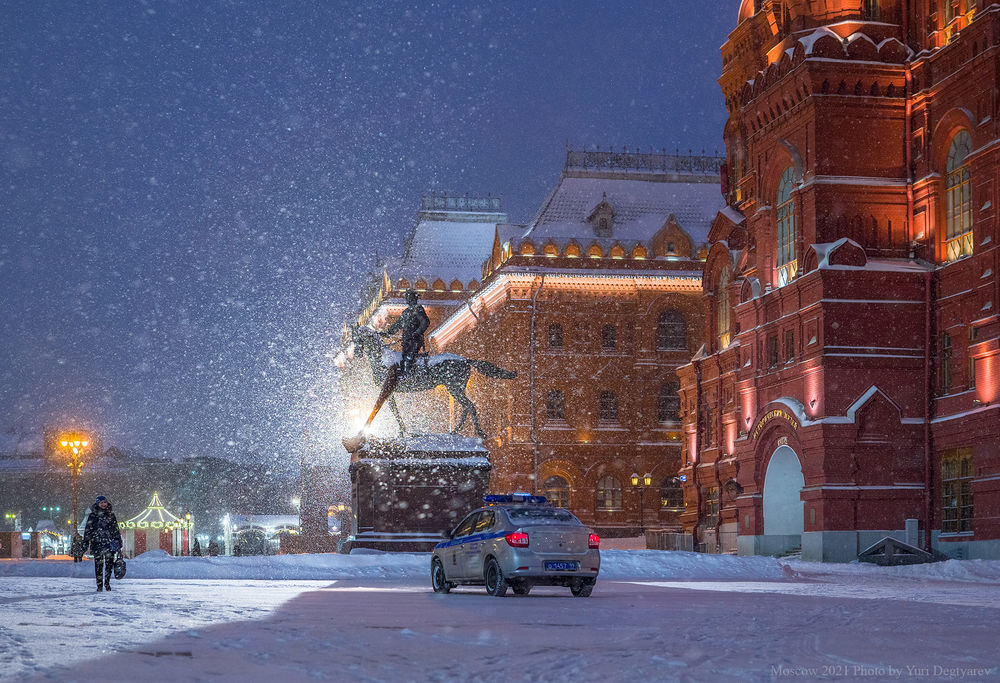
x=119 y=567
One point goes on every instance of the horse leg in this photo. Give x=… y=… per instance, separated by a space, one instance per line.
x=399 y=418
x=468 y=408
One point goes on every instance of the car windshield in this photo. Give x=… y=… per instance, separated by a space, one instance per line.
x=523 y=515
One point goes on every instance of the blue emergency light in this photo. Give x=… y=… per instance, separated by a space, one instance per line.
x=524 y=498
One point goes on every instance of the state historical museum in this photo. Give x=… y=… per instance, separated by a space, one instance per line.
x=848 y=381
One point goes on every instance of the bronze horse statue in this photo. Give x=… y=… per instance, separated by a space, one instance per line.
x=428 y=372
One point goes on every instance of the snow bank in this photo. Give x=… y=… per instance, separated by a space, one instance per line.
x=970 y=571
x=641 y=565
x=615 y=564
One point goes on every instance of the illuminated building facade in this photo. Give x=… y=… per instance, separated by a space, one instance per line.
x=849 y=377
x=594 y=303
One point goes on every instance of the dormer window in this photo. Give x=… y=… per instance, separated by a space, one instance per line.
x=602 y=218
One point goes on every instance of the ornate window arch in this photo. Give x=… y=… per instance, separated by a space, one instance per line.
x=786 y=261
x=723 y=324
x=556 y=489
x=671 y=331
x=609 y=493
x=958 y=199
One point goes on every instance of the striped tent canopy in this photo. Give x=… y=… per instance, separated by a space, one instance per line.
x=155 y=516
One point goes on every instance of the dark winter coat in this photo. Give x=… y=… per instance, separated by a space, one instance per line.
x=77 y=547
x=102 y=535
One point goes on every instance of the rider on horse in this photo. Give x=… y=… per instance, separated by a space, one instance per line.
x=414 y=322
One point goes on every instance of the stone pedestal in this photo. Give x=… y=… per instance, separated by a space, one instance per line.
x=405 y=493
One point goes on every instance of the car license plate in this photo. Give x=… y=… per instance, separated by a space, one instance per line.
x=561 y=566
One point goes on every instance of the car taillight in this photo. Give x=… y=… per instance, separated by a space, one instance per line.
x=595 y=541
x=517 y=539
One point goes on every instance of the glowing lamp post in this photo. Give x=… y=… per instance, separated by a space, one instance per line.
x=74 y=448
x=641 y=483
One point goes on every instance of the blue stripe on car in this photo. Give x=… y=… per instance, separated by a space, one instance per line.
x=471 y=539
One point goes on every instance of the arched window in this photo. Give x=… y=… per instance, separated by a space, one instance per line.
x=669 y=403
x=671 y=494
x=722 y=309
x=609 y=406
x=555 y=336
x=671 y=331
x=556 y=489
x=555 y=407
x=958 y=200
x=609 y=494
x=786 y=262
x=608 y=334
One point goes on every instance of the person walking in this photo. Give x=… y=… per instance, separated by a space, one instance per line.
x=76 y=547
x=104 y=539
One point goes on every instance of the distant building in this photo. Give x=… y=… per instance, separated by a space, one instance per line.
x=850 y=372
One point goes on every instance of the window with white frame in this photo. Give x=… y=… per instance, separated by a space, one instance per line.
x=786 y=262
x=958 y=199
x=609 y=494
x=722 y=317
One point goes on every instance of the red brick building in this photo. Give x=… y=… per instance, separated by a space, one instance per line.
x=849 y=377
x=595 y=303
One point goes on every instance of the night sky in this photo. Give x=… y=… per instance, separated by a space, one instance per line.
x=193 y=191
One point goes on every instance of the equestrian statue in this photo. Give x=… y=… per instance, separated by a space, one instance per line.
x=408 y=372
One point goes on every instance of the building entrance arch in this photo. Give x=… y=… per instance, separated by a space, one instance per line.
x=783 y=505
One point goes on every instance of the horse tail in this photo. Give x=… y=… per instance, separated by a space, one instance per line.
x=487 y=368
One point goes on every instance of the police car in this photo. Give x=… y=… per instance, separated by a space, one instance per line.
x=518 y=541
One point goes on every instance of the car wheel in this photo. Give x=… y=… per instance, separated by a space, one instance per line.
x=521 y=588
x=496 y=584
x=582 y=589
x=439 y=582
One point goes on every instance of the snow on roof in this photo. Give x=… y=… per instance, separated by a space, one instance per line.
x=642 y=207
x=154 y=512
x=450 y=241
x=734 y=215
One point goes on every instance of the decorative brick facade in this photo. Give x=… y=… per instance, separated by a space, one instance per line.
x=849 y=380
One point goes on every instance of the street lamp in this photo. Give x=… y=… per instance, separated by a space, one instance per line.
x=74 y=446
x=641 y=483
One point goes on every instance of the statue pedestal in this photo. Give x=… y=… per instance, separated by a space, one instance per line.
x=405 y=493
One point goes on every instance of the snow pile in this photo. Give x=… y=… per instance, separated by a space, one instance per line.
x=621 y=565
x=615 y=564
x=676 y=565
x=970 y=571
x=157 y=564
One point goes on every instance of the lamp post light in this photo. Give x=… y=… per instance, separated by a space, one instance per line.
x=74 y=449
x=641 y=483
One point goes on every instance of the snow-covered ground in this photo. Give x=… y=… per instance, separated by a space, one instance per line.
x=653 y=616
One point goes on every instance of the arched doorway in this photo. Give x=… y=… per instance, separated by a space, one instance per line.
x=783 y=506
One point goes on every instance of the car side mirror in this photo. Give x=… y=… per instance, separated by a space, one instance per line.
x=446 y=534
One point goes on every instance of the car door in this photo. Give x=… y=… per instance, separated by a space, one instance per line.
x=451 y=556
x=472 y=549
